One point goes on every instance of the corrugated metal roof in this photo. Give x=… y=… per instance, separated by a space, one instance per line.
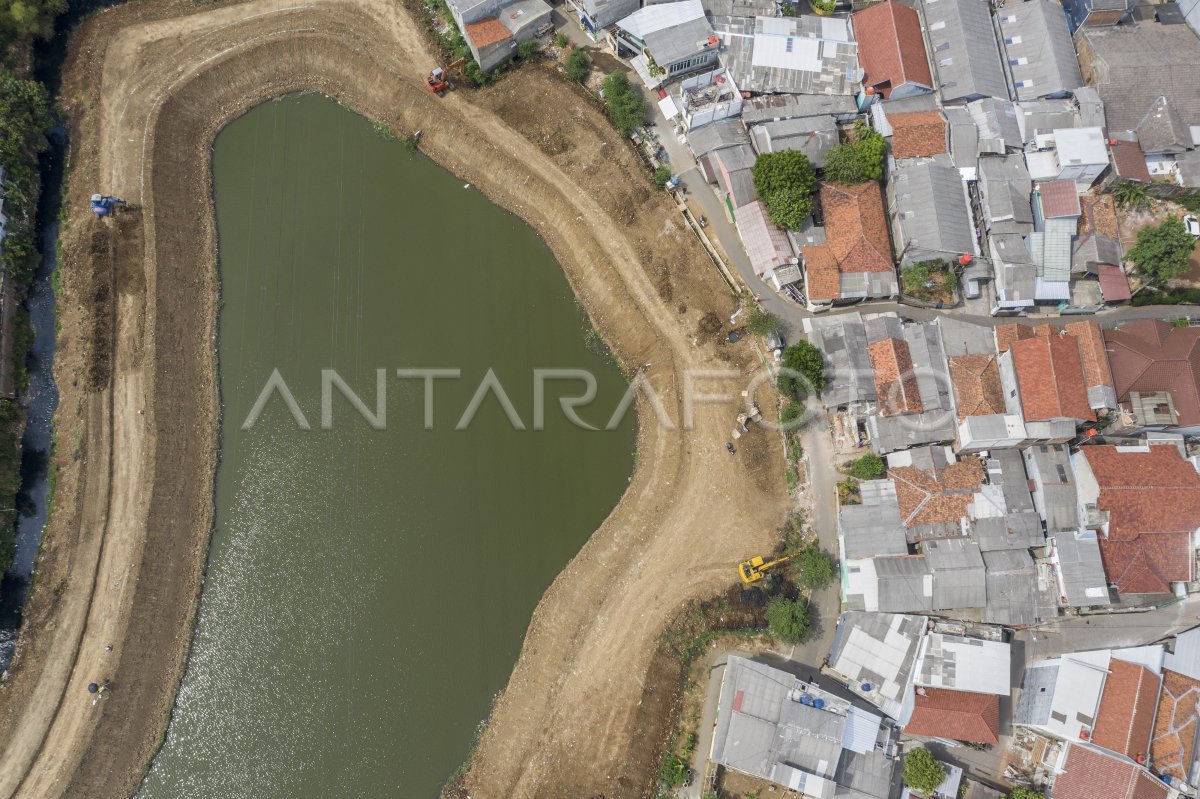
x=964 y=664
x=661 y=16
x=1038 y=48
x=802 y=55
x=1081 y=569
x=873 y=528
x=876 y=653
x=964 y=50
x=766 y=246
x=932 y=208
x=1011 y=588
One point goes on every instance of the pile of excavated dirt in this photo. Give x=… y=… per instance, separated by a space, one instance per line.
x=148 y=86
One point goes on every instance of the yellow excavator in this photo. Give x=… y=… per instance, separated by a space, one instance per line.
x=753 y=570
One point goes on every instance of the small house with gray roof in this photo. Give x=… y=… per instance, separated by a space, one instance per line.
x=964 y=50
x=875 y=654
x=667 y=40
x=1039 y=55
x=930 y=215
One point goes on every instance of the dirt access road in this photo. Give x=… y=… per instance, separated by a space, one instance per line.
x=147 y=87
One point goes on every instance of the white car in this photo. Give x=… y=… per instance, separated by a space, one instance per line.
x=1192 y=226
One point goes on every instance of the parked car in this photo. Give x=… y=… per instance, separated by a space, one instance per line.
x=1193 y=225
x=775 y=341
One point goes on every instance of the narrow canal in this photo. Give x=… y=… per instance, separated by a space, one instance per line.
x=369 y=583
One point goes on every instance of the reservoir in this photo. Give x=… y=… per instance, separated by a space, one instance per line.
x=370 y=580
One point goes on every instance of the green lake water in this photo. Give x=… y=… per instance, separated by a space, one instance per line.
x=368 y=589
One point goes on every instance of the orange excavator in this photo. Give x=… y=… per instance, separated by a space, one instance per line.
x=438 y=81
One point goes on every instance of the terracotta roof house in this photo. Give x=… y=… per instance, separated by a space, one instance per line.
x=1173 y=751
x=1059 y=198
x=936 y=497
x=1007 y=333
x=1047 y=373
x=918 y=134
x=1090 y=774
x=976 y=383
x=1146 y=502
x=1097 y=377
x=1156 y=372
x=855 y=262
x=1125 y=720
x=895 y=381
x=1128 y=160
x=491 y=43
x=891 y=50
x=957 y=715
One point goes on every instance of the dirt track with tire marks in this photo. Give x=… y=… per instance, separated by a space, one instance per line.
x=148 y=86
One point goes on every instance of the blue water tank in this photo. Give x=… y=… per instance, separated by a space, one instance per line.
x=866 y=688
x=818 y=703
x=806 y=699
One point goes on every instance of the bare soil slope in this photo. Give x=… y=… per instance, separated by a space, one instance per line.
x=149 y=85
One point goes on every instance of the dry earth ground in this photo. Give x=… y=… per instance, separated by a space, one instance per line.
x=147 y=87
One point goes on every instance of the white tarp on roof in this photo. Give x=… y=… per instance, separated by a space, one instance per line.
x=661 y=16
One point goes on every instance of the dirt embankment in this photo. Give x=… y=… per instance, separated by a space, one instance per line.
x=148 y=86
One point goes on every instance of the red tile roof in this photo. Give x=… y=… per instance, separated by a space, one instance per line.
x=1050 y=378
x=976 y=383
x=936 y=496
x=821 y=276
x=1149 y=564
x=891 y=49
x=895 y=380
x=1128 y=160
x=918 y=134
x=1153 y=504
x=1006 y=334
x=1059 y=198
x=1150 y=355
x=1175 y=726
x=1091 y=774
x=1125 y=720
x=1091 y=349
x=486 y=31
x=856 y=239
x=957 y=715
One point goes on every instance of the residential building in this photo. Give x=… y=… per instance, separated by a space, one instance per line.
x=1056 y=214
x=1079 y=569
x=934 y=490
x=1173 y=749
x=891 y=50
x=959 y=578
x=1012 y=588
x=1125 y=719
x=1040 y=118
x=964 y=50
x=767 y=246
x=1156 y=373
x=1088 y=773
x=813 y=136
x=1061 y=696
x=667 y=40
x=1145 y=501
x=931 y=219
x=1053 y=479
x=777 y=107
x=917 y=134
x=490 y=42
x=1097 y=377
x=1074 y=154
x=1039 y=55
x=843 y=341
x=596 y=15
x=999 y=125
x=892 y=584
x=1097 y=13
x=874 y=655
x=776 y=727
x=1145 y=74
x=1044 y=383
x=959 y=663
x=855 y=261
x=957 y=715
x=873 y=526
x=708 y=97
x=794 y=55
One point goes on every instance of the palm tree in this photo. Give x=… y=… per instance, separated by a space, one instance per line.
x=1130 y=194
